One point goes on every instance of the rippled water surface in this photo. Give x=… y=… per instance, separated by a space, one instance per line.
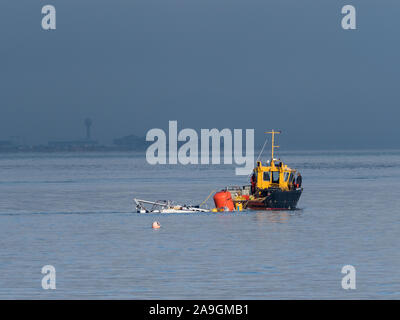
x=75 y=212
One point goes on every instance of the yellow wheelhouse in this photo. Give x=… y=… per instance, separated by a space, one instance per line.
x=274 y=174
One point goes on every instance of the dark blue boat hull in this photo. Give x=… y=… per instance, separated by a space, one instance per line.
x=276 y=199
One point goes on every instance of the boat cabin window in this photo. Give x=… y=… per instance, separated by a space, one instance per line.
x=275 y=176
x=266 y=176
x=291 y=179
x=286 y=176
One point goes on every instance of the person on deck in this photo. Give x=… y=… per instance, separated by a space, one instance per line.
x=253 y=183
x=299 y=180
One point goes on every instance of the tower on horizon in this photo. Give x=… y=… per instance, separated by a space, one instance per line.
x=88 y=124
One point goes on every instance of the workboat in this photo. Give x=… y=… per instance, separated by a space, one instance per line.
x=274 y=186
x=164 y=206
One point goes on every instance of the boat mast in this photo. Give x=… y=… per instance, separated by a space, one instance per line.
x=273 y=146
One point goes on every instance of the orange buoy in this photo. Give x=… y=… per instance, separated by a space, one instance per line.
x=223 y=199
x=156 y=225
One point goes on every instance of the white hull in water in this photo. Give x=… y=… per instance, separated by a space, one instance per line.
x=163 y=206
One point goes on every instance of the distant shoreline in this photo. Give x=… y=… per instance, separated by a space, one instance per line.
x=106 y=149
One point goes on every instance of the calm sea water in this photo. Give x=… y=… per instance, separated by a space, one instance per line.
x=75 y=212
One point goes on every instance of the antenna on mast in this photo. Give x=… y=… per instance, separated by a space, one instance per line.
x=273 y=146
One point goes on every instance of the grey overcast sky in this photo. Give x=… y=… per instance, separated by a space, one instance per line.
x=134 y=65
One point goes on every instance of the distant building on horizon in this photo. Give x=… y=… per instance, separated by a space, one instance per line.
x=131 y=142
x=88 y=124
x=76 y=145
x=7 y=145
x=14 y=143
x=72 y=144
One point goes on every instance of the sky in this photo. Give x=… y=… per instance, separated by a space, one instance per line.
x=134 y=65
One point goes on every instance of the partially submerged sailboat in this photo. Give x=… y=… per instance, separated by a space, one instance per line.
x=164 y=206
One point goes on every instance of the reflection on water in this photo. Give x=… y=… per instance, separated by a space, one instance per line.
x=280 y=216
x=75 y=211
